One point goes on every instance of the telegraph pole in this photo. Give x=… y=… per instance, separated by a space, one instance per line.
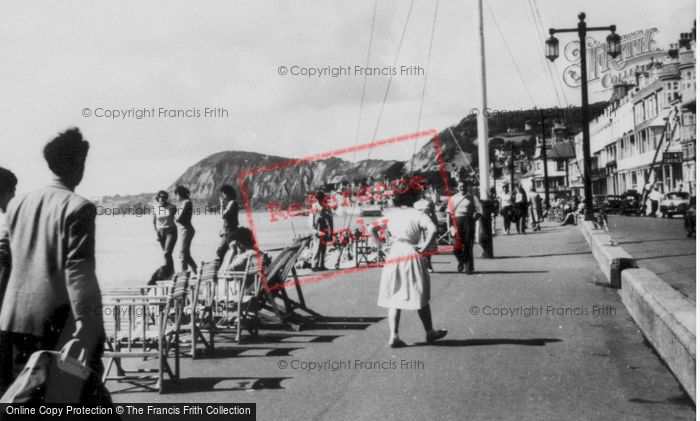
x=486 y=239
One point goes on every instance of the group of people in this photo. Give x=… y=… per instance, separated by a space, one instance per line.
x=49 y=292
x=171 y=222
x=517 y=208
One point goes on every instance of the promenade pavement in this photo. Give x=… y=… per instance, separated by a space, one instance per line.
x=660 y=245
x=565 y=348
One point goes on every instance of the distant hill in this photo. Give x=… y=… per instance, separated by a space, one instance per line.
x=285 y=185
x=458 y=146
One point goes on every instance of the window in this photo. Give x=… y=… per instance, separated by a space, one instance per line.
x=638 y=113
x=561 y=166
x=650 y=107
x=633 y=146
x=688 y=119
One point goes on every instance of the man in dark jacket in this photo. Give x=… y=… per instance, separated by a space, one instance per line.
x=52 y=294
x=521 y=204
x=8 y=183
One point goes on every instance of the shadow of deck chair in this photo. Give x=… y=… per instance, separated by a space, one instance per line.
x=143 y=326
x=241 y=303
x=275 y=284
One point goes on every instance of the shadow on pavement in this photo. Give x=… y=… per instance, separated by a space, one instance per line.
x=651 y=241
x=482 y=342
x=683 y=399
x=240 y=352
x=664 y=256
x=505 y=272
x=222 y=384
x=542 y=255
x=291 y=338
x=329 y=323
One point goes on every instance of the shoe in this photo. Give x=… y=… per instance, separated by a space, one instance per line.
x=398 y=343
x=435 y=335
x=430 y=270
x=460 y=267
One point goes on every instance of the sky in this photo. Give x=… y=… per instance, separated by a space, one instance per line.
x=61 y=60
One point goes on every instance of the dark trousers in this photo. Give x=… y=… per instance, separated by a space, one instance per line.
x=654 y=207
x=508 y=216
x=465 y=253
x=186 y=261
x=226 y=238
x=167 y=238
x=319 y=259
x=522 y=217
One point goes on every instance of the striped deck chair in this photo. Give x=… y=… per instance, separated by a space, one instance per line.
x=275 y=286
x=204 y=306
x=143 y=326
x=241 y=304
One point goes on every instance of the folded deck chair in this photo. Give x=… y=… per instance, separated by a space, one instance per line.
x=275 y=283
x=143 y=326
x=444 y=230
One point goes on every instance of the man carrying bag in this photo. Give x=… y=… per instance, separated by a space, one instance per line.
x=52 y=295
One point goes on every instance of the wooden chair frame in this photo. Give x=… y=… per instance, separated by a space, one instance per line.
x=245 y=283
x=155 y=310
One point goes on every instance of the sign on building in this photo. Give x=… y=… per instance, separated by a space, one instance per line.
x=673 y=157
x=638 y=47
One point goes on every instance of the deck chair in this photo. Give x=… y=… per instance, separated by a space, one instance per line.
x=444 y=232
x=142 y=326
x=366 y=253
x=241 y=305
x=203 y=307
x=275 y=284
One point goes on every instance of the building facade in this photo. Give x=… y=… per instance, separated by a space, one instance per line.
x=646 y=136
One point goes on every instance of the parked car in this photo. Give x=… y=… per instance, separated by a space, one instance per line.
x=611 y=204
x=690 y=217
x=674 y=203
x=631 y=203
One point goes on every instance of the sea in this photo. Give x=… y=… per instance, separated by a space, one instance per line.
x=127 y=251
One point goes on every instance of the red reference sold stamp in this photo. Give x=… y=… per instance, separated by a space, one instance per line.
x=360 y=237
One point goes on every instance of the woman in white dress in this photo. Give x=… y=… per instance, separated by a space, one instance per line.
x=405 y=282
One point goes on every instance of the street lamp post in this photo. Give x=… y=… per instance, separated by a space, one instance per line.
x=543 y=153
x=511 y=166
x=613 y=48
x=544 y=161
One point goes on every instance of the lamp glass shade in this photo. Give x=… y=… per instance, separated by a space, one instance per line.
x=613 y=46
x=551 y=48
